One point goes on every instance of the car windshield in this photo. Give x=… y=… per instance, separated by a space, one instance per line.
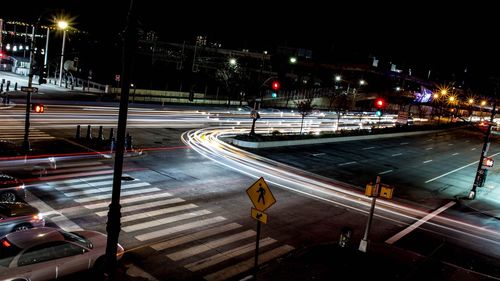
x=7 y=252
x=73 y=237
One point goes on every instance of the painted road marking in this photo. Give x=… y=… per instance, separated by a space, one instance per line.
x=179 y=228
x=385 y=172
x=371 y=147
x=318 y=154
x=429 y=148
x=418 y=223
x=397 y=154
x=147 y=205
x=427 y=161
x=167 y=220
x=108 y=196
x=348 y=163
x=456 y=153
x=131 y=200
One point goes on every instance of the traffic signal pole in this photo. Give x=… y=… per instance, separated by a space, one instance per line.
x=114 y=214
x=481 y=172
x=26 y=141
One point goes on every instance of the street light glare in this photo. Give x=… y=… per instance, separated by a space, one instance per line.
x=232 y=61
x=62 y=24
x=293 y=59
x=362 y=82
x=337 y=78
x=471 y=101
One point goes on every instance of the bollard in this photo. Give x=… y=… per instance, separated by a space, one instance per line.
x=111 y=133
x=101 y=135
x=78 y=131
x=89 y=132
x=4 y=99
x=129 y=142
x=1 y=87
x=112 y=144
x=8 y=99
x=3 y=80
x=15 y=87
x=7 y=87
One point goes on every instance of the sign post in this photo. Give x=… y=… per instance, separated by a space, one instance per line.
x=262 y=198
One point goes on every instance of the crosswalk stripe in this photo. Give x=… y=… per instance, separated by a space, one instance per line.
x=83 y=179
x=20 y=138
x=152 y=213
x=243 y=266
x=167 y=220
x=84 y=185
x=107 y=196
x=179 y=228
x=71 y=170
x=220 y=257
x=195 y=236
x=80 y=164
x=104 y=189
x=210 y=245
x=132 y=200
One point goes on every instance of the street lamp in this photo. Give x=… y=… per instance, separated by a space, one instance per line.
x=293 y=60
x=62 y=25
x=483 y=103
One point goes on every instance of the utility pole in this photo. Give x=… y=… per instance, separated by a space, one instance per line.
x=481 y=172
x=26 y=141
x=114 y=214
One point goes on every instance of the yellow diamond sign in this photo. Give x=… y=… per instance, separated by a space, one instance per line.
x=260 y=195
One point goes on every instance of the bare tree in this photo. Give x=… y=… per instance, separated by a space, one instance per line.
x=305 y=108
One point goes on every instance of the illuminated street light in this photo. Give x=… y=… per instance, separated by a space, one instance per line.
x=62 y=25
x=362 y=82
x=444 y=92
x=471 y=101
x=452 y=99
x=232 y=61
x=483 y=103
x=293 y=60
x=436 y=95
x=338 y=78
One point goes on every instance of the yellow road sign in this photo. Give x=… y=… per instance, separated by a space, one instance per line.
x=258 y=215
x=260 y=195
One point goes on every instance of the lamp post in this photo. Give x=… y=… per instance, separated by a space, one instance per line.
x=62 y=25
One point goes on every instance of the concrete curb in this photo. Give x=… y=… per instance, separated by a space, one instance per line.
x=266 y=144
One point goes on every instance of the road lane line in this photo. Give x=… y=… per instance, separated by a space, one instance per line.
x=385 y=172
x=144 y=206
x=458 y=169
x=371 y=147
x=220 y=257
x=179 y=228
x=397 y=154
x=157 y=222
x=403 y=143
x=80 y=180
x=450 y=144
x=427 y=161
x=429 y=148
x=84 y=185
x=418 y=223
x=318 y=154
x=456 y=153
x=246 y=265
x=473 y=148
x=195 y=236
x=348 y=163
x=195 y=250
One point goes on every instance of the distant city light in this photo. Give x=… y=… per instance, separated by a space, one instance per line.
x=483 y=103
x=398 y=88
x=471 y=101
x=362 y=82
x=444 y=92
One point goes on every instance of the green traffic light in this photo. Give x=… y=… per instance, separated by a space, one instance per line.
x=378 y=113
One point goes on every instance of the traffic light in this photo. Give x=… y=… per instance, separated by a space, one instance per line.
x=380 y=103
x=275 y=87
x=42 y=75
x=38 y=108
x=379 y=113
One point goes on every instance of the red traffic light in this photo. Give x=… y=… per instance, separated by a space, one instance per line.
x=38 y=108
x=379 y=103
x=275 y=85
x=488 y=162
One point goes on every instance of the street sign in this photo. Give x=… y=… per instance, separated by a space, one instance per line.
x=29 y=89
x=258 y=215
x=260 y=195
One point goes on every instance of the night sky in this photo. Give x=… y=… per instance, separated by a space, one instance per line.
x=446 y=37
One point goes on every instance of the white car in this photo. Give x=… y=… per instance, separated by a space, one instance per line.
x=47 y=253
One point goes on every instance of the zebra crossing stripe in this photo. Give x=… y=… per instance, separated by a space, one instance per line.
x=195 y=236
x=154 y=212
x=86 y=179
x=246 y=265
x=72 y=170
x=132 y=200
x=210 y=245
x=158 y=222
x=220 y=257
x=108 y=196
x=84 y=185
x=104 y=189
x=179 y=228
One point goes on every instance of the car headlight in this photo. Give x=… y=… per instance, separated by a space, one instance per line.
x=38 y=216
x=20 y=186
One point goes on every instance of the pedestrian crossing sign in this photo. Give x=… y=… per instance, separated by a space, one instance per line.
x=260 y=195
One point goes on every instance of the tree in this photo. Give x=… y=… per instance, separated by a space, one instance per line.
x=305 y=108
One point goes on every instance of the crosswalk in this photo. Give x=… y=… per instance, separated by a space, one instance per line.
x=199 y=240
x=16 y=133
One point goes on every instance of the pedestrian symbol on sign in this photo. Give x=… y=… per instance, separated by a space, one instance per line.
x=260 y=195
x=261 y=192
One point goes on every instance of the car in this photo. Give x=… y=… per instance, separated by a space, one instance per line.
x=18 y=217
x=47 y=253
x=11 y=189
